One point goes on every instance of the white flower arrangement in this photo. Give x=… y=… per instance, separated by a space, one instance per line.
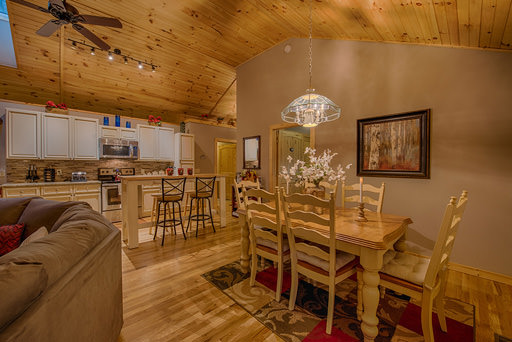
x=315 y=170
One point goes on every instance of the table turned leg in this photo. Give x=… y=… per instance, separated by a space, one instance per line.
x=371 y=260
x=244 y=243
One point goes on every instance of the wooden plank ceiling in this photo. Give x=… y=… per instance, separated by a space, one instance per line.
x=197 y=45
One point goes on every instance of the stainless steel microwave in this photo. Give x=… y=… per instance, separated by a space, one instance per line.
x=118 y=148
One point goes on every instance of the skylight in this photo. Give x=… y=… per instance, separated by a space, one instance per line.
x=7 y=56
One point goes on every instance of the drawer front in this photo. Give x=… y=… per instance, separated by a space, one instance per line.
x=86 y=188
x=21 y=191
x=55 y=190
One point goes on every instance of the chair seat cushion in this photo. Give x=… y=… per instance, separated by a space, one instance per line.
x=342 y=258
x=405 y=266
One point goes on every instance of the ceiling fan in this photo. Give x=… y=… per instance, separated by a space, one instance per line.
x=67 y=14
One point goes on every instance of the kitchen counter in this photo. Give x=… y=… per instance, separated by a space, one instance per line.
x=47 y=183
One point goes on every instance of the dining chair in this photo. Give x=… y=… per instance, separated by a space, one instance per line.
x=425 y=278
x=239 y=194
x=172 y=193
x=203 y=191
x=266 y=232
x=312 y=240
x=371 y=195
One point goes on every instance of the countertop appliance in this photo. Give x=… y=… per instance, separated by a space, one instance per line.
x=79 y=176
x=118 y=148
x=111 y=191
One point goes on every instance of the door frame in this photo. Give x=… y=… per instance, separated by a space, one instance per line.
x=272 y=153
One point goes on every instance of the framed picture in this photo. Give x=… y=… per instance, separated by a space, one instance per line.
x=252 y=146
x=394 y=145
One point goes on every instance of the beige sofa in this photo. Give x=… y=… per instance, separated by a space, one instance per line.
x=65 y=286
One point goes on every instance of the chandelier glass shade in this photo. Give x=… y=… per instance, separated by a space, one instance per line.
x=310 y=109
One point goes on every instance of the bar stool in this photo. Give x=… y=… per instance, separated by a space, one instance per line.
x=203 y=192
x=172 y=192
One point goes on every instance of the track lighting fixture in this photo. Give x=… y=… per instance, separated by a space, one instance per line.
x=111 y=53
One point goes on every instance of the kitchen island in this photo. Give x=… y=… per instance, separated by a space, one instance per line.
x=131 y=187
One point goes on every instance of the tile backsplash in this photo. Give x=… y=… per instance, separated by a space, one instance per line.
x=16 y=169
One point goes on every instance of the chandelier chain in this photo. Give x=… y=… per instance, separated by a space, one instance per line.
x=310 y=43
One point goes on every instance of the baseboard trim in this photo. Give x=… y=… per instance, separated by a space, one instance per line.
x=501 y=278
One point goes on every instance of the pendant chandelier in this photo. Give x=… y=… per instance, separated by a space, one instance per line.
x=311 y=109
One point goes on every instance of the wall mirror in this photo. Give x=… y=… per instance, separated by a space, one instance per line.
x=252 y=152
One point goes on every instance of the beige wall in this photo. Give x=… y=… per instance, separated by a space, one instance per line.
x=470 y=95
x=205 y=143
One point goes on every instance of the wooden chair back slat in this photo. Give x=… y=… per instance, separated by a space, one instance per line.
x=265 y=234
x=347 y=195
x=446 y=238
x=312 y=250
x=239 y=196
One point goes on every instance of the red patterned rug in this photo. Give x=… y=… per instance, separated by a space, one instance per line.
x=399 y=316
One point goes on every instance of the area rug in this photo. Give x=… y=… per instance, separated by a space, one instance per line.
x=399 y=316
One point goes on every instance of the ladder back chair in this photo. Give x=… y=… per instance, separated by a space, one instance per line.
x=239 y=194
x=312 y=241
x=350 y=194
x=425 y=278
x=203 y=191
x=172 y=192
x=266 y=232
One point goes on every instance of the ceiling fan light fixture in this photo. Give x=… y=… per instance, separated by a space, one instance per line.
x=311 y=109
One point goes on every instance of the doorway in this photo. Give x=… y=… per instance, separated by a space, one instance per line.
x=288 y=140
x=225 y=162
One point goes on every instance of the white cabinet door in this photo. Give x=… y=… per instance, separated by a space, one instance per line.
x=109 y=132
x=86 y=138
x=165 y=144
x=128 y=133
x=148 y=142
x=187 y=147
x=57 y=142
x=23 y=134
x=92 y=198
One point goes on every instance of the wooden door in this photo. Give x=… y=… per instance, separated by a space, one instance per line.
x=292 y=144
x=226 y=164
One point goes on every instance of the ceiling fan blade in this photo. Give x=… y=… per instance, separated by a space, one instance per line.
x=31 y=5
x=103 y=21
x=49 y=28
x=57 y=4
x=92 y=37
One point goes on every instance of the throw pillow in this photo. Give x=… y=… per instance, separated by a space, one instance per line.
x=11 y=209
x=10 y=237
x=40 y=233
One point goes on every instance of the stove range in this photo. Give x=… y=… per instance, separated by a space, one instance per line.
x=111 y=191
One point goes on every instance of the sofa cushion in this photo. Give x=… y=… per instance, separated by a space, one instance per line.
x=20 y=285
x=42 y=212
x=82 y=229
x=38 y=234
x=11 y=209
x=10 y=237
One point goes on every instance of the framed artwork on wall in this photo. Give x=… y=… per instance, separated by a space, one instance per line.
x=252 y=153
x=395 y=145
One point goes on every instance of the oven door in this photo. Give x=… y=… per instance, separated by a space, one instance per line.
x=110 y=197
x=111 y=202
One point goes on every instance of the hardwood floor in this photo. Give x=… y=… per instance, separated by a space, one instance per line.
x=166 y=299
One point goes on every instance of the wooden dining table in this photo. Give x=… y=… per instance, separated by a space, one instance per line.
x=369 y=240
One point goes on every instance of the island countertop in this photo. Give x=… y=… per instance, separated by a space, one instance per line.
x=153 y=177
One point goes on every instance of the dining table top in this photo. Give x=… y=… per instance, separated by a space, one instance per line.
x=377 y=233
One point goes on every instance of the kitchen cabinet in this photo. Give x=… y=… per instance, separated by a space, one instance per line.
x=62 y=191
x=165 y=144
x=118 y=132
x=184 y=147
x=156 y=143
x=85 y=133
x=57 y=142
x=23 y=130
